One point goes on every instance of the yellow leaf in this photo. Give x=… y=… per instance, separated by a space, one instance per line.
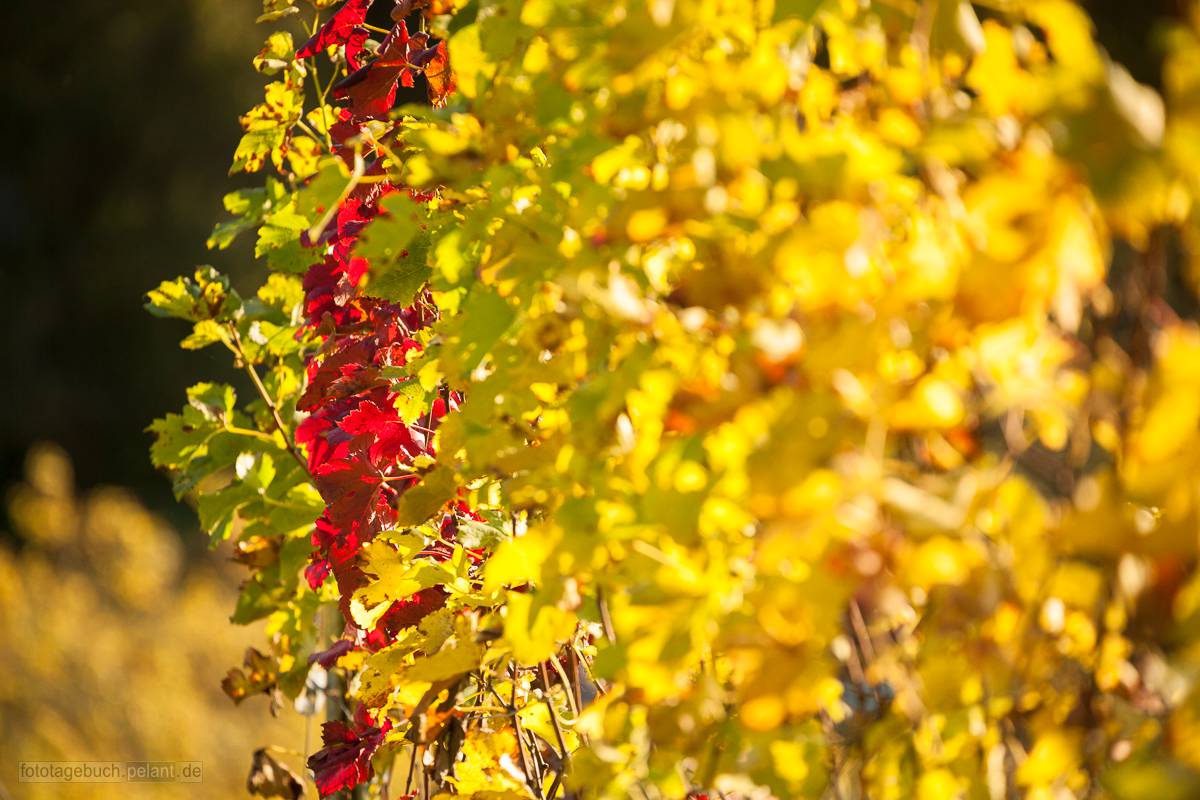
x=938 y=784
x=941 y=560
x=537 y=639
x=647 y=223
x=517 y=561
x=452 y=660
x=1053 y=757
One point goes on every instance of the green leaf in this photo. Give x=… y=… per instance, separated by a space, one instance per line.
x=411 y=400
x=282 y=292
x=254 y=148
x=214 y=401
x=471 y=335
x=322 y=191
x=178 y=441
x=386 y=238
x=448 y=258
x=217 y=510
x=254 y=602
x=279 y=241
x=424 y=500
x=204 y=333
x=277 y=54
x=474 y=534
x=463 y=17
x=534 y=634
x=401 y=283
x=500 y=32
x=449 y=662
x=268 y=126
x=248 y=206
x=277 y=13
x=206 y=296
x=184 y=442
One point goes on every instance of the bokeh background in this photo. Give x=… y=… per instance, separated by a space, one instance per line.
x=119 y=122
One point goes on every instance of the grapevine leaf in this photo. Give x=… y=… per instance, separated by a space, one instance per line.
x=345 y=761
x=267 y=127
x=206 y=296
x=321 y=192
x=338 y=29
x=385 y=239
x=423 y=500
x=277 y=54
x=449 y=662
x=484 y=319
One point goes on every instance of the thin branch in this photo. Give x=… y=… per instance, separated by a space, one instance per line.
x=303 y=123
x=605 y=617
x=574 y=698
x=412 y=770
x=539 y=762
x=531 y=781
x=580 y=662
x=322 y=93
x=558 y=732
x=360 y=166
x=266 y=398
x=253 y=434
x=859 y=623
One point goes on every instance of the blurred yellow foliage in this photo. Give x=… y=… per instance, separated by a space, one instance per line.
x=830 y=378
x=112 y=644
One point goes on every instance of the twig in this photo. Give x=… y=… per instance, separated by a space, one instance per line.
x=530 y=781
x=578 y=661
x=605 y=617
x=412 y=769
x=266 y=398
x=360 y=166
x=859 y=623
x=558 y=733
x=303 y=123
x=574 y=700
x=554 y=786
x=322 y=94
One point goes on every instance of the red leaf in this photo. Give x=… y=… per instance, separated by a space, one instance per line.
x=336 y=549
x=345 y=761
x=405 y=614
x=352 y=488
x=329 y=287
x=356 y=45
x=439 y=76
x=388 y=437
x=371 y=90
x=327 y=658
x=339 y=29
x=339 y=375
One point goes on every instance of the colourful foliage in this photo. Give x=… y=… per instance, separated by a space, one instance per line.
x=113 y=644
x=752 y=399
